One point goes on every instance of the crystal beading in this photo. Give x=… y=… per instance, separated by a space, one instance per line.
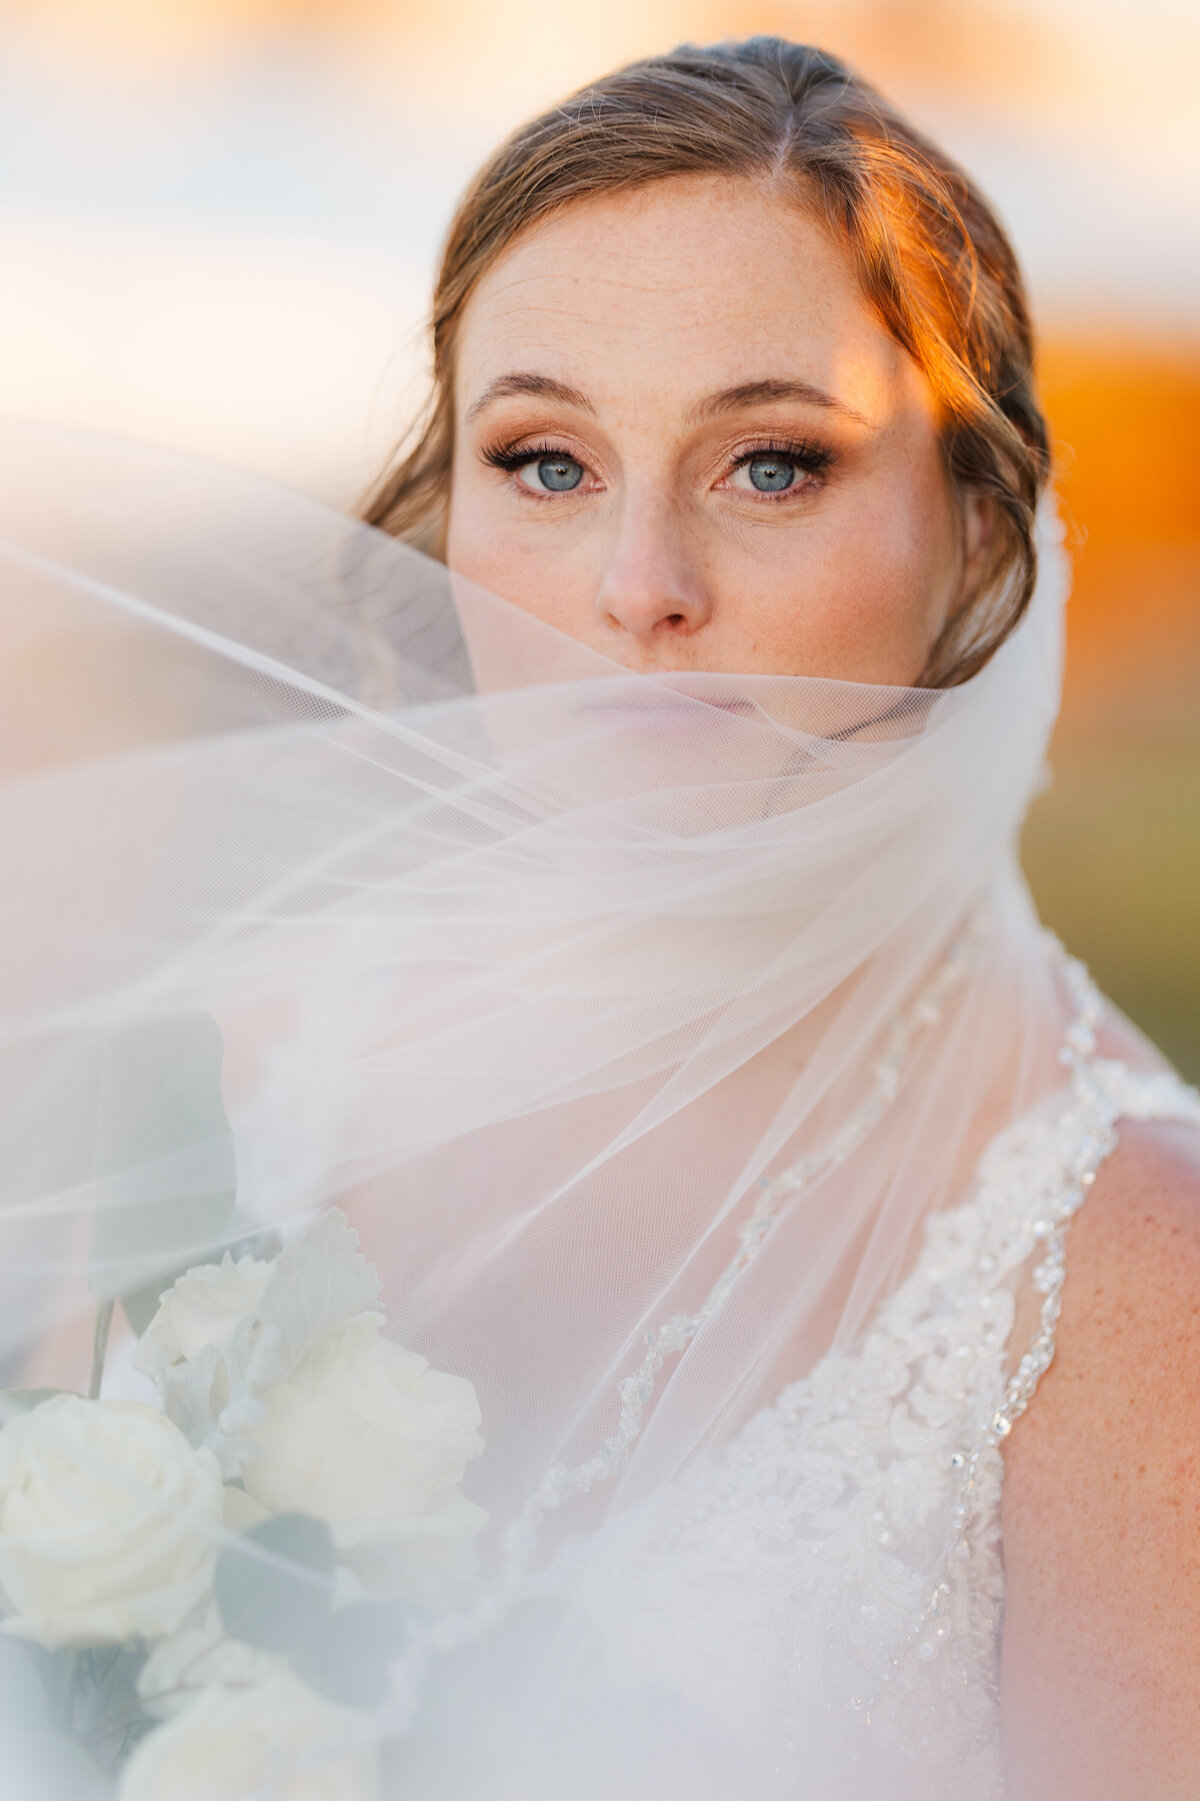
x=1101 y=1092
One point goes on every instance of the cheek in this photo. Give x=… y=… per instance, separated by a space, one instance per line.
x=473 y=546
x=527 y=561
x=873 y=581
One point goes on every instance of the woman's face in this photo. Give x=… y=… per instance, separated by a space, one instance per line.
x=683 y=438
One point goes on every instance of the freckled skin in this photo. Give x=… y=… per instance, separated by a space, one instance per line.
x=647 y=303
x=1101 y=1515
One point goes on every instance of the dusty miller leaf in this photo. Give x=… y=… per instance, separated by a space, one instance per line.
x=318 y=1282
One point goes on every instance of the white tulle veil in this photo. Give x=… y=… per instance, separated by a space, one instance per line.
x=634 y=1023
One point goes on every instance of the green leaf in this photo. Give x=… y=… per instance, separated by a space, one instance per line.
x=141 y=1304
x=24 y=1400
x=22 y=1684
x=274 y=1586
x=164 y=1158
x=348 y=1660
x=36 y=1765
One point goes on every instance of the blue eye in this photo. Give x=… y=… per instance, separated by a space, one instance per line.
x=558 y=474
x=771 y=474
x=781 y=469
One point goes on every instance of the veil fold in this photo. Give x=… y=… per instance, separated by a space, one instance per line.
x=543 y=973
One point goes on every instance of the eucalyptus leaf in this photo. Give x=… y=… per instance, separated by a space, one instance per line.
x=274 y=1585
x=164 y=1159
x=141 y=1304
x=37 y=1765
x=22 y=1684
x=348 y=1660
x=24 y=1400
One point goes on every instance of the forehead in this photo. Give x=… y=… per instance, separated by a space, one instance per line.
x=675 y=290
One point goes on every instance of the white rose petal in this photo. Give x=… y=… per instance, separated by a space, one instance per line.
x=108 y=1522
x=202 y=1309
x=241 y=1511
x=365 y=1435
x=201 y=1656
x=228 y=1333
x=279 y=1740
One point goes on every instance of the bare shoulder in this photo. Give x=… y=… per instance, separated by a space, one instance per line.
x=1101 y=1517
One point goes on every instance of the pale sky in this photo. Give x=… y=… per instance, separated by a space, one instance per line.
x=218 y=229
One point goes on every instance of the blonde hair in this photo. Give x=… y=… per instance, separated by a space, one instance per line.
x=930 y=255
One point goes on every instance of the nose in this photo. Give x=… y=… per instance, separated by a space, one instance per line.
x=653 y=590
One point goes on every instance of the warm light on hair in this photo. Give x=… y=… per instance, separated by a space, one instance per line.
x=931 y=257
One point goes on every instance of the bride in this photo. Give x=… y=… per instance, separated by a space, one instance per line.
x=600 y=866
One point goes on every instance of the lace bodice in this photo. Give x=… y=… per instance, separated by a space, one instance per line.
x=788 y=1581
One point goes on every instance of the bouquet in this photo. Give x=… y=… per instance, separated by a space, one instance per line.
x=201 y=1598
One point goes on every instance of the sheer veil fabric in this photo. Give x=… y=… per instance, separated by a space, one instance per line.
x=595 y=1001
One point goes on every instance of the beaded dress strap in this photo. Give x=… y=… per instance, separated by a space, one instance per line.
x=1103 y=1091
x=1020 y=1213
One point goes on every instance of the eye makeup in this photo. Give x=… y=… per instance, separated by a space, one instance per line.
x=767 y=462
x=809 y=456
x=514 y=456
x=806 y=453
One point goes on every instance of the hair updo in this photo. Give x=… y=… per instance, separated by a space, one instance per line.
x=931 y=258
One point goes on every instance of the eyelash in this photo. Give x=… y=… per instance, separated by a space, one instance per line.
x=510 y=459
x=807 y=454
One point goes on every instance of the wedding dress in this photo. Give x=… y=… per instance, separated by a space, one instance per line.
x=784 y=1586
x=687 y=1057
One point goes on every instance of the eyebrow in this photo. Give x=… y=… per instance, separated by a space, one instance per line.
x=541 y=387
x=728 y=400
x=759 y=393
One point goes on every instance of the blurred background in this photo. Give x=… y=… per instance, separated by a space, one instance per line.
x=219 y=221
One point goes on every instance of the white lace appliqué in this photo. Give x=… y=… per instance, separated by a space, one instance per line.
x=839 y=1568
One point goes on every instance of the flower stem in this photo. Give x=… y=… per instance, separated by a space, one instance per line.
x=104 y=1316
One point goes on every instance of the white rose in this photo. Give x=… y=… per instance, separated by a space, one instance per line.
x=108 y=1522
x=280 y=1739
x=366 y=1436
x=201 y=1656
x=203 y=1308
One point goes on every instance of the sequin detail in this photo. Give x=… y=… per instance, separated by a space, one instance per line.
x=785 y=1586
